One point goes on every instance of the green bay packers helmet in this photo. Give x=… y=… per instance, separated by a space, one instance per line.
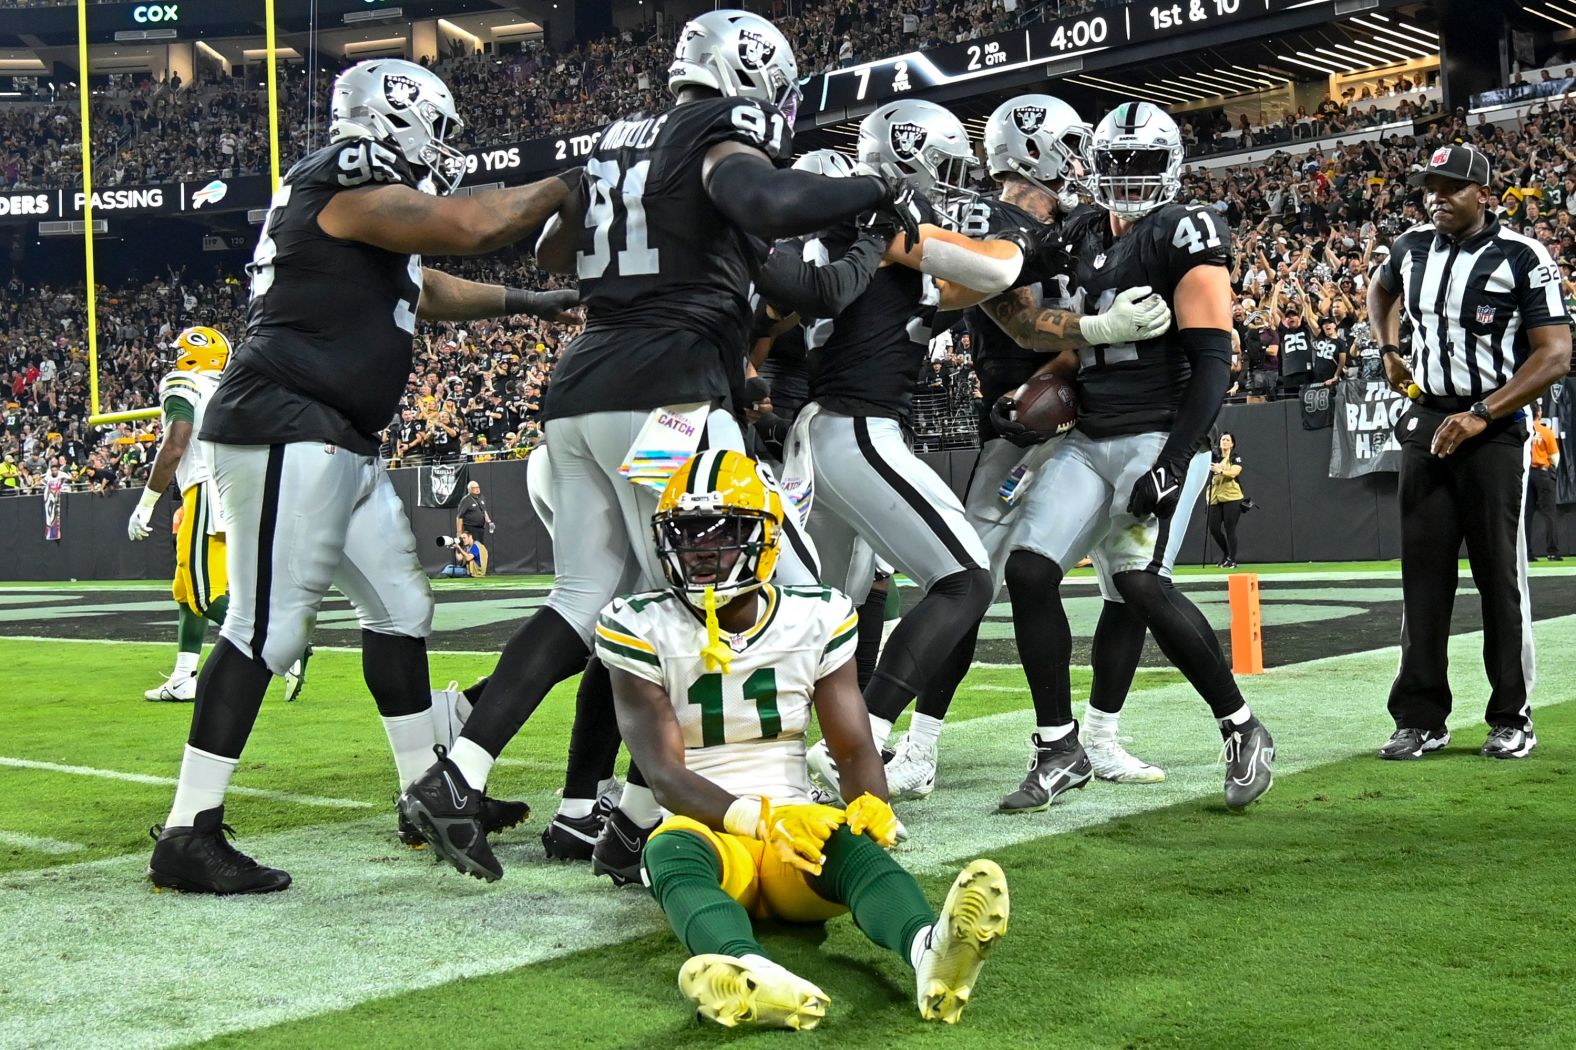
x=407 y=108
x=1042 y=139
x=718 y=526
x=1137 y=153
x=925 y=144
x=740 y=54
x=201 y=349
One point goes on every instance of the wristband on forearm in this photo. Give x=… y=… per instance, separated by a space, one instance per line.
x=150 y=498
x=1387 y=349
x=744 y=818
x=522 y=301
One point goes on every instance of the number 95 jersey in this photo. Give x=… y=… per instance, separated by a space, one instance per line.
x=744 y=729
x=1135 y=388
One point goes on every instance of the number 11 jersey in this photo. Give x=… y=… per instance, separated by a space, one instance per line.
x=665 y=276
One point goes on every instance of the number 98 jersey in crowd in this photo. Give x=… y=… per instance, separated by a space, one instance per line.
x=664 y=275
x=744 y=727
x=329 y=331
x=1128 y=388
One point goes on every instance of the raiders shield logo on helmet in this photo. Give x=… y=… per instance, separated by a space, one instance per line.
x=400 y=91
x=754 y=49
x=908 y=140
x=1028 y=119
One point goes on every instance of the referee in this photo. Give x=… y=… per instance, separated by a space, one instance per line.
x=1489 y=334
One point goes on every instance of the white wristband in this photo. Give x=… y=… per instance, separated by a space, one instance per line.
x=743 y=818
x=150 y=497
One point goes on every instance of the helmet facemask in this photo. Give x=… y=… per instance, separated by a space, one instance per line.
x=704 y=547
x=1132 y=181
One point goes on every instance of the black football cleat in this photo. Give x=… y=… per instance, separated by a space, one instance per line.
x=501 y=814
x=617 y=852
x=573 y=838
x=1249 y=754
x=199 y=859
x=1407 y=744
x=449 y=813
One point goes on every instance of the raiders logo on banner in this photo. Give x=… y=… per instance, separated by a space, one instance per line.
x=442 y=484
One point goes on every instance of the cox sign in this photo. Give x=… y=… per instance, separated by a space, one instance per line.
x=146 y=14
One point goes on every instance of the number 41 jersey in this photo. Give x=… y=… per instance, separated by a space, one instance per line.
x=744 y=729
x=665 y=276
x=1129 y=388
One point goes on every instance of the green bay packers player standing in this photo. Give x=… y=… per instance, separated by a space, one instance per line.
x=715 y=679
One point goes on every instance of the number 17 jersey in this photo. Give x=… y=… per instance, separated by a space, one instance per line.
x=744 y=729
x=664 y=275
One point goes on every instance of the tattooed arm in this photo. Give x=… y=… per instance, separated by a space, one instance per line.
x=1032 y=326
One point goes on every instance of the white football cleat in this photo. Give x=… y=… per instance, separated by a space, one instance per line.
x=295 y=678
x=972 y=920
x=176 y=689
x=1112 y=761
x=751 y=990
x=912 y=771
x=819 y=760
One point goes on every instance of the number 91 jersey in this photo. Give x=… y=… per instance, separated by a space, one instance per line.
x=744 y=728
x=1128 y=388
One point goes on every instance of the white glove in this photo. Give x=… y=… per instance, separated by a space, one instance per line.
x=1136 y=314
x=137 y=527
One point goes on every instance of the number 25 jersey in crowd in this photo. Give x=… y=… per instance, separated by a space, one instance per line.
x=329 y=332
x=1135 y=388
x=664 y=275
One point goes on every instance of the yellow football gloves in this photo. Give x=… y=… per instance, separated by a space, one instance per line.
x=870 y=816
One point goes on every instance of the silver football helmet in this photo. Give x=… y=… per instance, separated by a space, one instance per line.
x=405 y=107
x=1044 y=140
x=925 y=144
x=1137 y=153
x=825 y=162
x=739 y=54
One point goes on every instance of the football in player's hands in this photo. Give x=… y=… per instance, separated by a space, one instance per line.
x=1157 y=492
x=1043 y=408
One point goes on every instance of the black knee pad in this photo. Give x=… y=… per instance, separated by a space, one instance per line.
x=1034 y=574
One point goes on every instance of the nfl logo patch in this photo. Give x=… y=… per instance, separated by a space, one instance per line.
x=1441 y=155
x=1099 y=260
x=1485 y=315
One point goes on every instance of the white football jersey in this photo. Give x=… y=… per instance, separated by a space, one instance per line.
x=743 y=730
x=195 y=388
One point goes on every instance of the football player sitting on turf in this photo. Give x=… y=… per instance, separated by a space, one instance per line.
x=714 y=680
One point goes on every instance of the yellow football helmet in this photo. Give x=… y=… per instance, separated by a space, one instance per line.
x=201 y=349
x=718 y=526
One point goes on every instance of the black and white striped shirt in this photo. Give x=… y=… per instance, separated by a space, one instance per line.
x=1471 y=303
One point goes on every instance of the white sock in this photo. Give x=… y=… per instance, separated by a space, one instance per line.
x=450 y=709
x=640 y=805
x=1239 y=717
x=185 y=664
x=576 y=807
x=1050 y=733
x=474 y=762
x=1100 y=725
x=410 y=738
x=924 y=730
x=204 y=779
x=880 y=728
x=917 y=946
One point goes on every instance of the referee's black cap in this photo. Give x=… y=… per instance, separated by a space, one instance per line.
x=1455 y=162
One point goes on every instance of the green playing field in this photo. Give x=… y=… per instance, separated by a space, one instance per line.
x=1359 y=904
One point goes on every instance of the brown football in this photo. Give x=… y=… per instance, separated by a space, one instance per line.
x=1047 y=404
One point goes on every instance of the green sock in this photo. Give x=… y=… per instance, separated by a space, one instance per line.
x=686 y=879
x=191 y=631
x=886 y=902
x=894 y=604
x=216 y=610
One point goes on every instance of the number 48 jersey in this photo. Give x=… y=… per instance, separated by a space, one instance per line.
x=665 y=276
x=744 y=729
x=1128 y=388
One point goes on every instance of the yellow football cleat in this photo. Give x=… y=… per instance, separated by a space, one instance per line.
x=972 y=920
x=751 y=991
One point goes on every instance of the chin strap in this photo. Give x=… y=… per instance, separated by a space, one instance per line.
x=716 y=656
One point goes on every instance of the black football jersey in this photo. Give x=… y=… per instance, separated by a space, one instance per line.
x=330 y=328
x=665 y=277
x=1001 y=364
x=1135 y=388
x=865 y=361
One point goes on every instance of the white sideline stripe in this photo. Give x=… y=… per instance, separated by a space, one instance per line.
x=148 y=778
x=38 y=845
x=367 y=919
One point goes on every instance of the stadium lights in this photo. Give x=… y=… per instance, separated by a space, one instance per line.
x=1253 y=74
x=1310 y=65
x=1335 y=67
x=1407 y=32
x=1235 y=80
x=1371 y=52
x=1549 y=18
x=1561 y=10
x=1391 y=37
x=1343 y=59
x=1126 y=91
x=1408 y=46
x=1180 y=88
x=1132 y=89
x=1423 y=31
x=1211 y=87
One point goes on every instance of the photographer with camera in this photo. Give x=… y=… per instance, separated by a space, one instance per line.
x=470 y=557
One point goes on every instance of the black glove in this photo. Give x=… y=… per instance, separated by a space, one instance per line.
x=898 y=210
x=1157 y=492
x=1044 y=254
x=1003 y=417
x=549 y=305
